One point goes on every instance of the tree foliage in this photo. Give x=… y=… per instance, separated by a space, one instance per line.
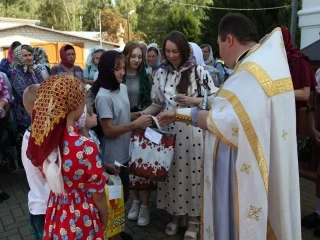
x=185 y=21
x=112 y=22
x=262 y=19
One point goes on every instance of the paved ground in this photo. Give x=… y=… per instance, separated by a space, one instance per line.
x=14 y=212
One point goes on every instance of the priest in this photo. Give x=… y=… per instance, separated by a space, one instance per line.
x=250 y=180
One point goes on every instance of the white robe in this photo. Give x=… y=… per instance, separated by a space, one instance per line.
x=251 y=138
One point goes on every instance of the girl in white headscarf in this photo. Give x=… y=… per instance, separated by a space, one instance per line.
x=197 y=53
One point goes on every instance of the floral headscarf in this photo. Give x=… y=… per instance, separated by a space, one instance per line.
x=40 y=56
x=18 y=60
x=10 y=55
x=57 y=96
x=191 y=62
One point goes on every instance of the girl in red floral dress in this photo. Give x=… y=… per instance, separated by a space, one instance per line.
x=77 y=205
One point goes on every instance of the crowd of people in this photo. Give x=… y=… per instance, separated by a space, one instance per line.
x=69 y=128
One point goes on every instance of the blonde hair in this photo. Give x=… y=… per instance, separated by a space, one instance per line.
x=29 y=97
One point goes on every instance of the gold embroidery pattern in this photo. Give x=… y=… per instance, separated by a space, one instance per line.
x=213 y=128
x=222 y=109
x=270 y=233
x=183 y=118
x=209 y=232
x=235 y=132
x=208 y=183
x=245 y=168
x=284 y=134
x=270 y=87
x=254 y=213
x=250 y=133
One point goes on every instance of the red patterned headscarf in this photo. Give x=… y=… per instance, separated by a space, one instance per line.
x=57 y=96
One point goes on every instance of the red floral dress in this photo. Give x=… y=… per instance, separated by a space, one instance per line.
x=73 y=215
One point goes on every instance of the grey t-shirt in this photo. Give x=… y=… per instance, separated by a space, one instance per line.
x=115 y=105
x=133 y=86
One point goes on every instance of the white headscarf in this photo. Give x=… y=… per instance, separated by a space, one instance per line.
x=197 y=53
x=318 y=81
x=92 y=51
x=154 y=45
x=210 y=59
x=149 y=69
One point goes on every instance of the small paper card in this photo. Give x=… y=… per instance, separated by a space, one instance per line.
x=119 y=164
x=153 y=136
x=115 y=192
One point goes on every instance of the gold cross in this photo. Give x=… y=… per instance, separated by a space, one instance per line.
x=208 y=182
x=209 y=232
x=254 y=213
x=245 y=168
x=235 y=132
x=221 y=109
x=284 y=134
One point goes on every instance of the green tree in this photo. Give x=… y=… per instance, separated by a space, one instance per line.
x=185 y=21
x=152 y=20
x=5 y=4
x=262 y=19
x=19 y=8
x=52 y=15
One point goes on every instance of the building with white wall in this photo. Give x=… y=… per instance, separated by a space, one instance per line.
x=309 y=22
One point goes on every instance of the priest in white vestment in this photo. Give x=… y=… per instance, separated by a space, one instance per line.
x=251 y=179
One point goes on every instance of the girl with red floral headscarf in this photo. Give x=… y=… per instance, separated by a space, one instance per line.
x=77 y=205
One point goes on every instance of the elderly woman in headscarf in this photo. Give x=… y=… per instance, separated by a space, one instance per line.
x=40 y=59
x=77 y=205
x=67 y=67
x=216 y=69
x=92 y=64
x=153 y=59
x=207 y=54
x=22 y=76
x=6 y=63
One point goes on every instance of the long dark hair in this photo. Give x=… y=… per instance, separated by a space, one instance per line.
x=181 y=41
x=109 y=60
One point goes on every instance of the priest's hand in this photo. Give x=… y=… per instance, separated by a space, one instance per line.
x=166 y=117
x=202 y=119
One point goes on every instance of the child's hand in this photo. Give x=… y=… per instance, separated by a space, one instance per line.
x=112 y=168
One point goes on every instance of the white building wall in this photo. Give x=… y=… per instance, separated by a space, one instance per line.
x=309 y=22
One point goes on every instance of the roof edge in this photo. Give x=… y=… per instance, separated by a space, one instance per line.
x=60 y=32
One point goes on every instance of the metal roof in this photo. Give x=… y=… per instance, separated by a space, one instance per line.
x=313 y=51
